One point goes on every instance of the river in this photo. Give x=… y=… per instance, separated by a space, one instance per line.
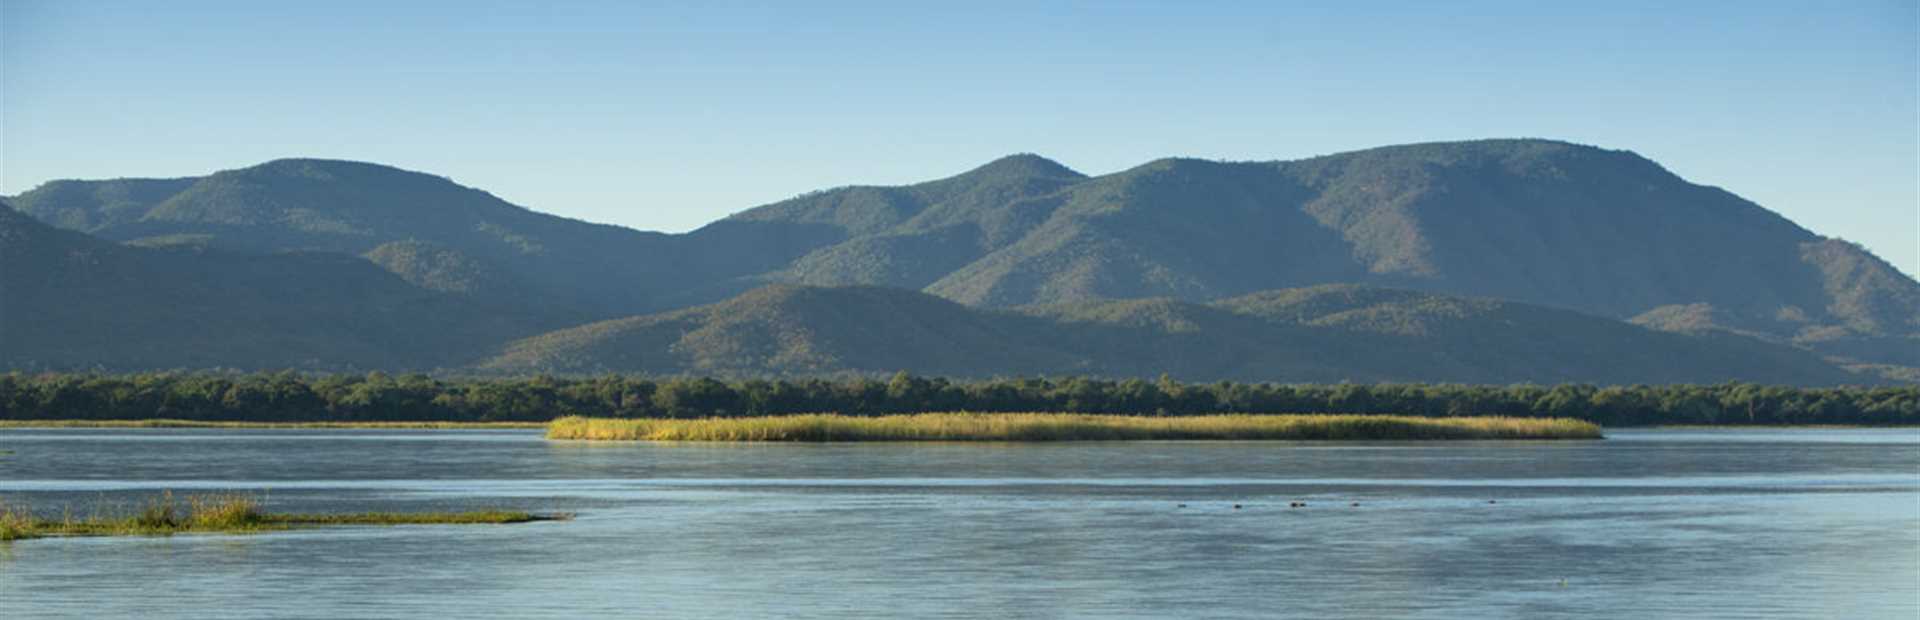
x=1821 y=523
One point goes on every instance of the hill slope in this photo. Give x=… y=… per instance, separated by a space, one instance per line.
x=582 y=269
x=1603 y=232
x=1324 y=334
x=72 y=302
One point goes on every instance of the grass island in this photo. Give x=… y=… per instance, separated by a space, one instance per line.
x=228 y=513
x=1067 y=427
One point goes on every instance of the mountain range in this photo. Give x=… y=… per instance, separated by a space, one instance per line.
x=1488 y=261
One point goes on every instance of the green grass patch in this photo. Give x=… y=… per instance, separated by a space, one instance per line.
x=224 y=513
x=168 y=423
x=408 y=518
x=1067 y=427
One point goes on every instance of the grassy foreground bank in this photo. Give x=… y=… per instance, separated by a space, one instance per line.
x=1066 y=427
x=227 y=513
x=166 y=423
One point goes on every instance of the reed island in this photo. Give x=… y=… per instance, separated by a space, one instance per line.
x=1067 y=427
x=226 y=513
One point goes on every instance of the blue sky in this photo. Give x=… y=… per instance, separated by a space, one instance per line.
x=666 y=116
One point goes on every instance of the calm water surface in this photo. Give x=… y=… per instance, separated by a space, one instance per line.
x=1648 y=524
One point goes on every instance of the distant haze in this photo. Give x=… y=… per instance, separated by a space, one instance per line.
x=665 y=118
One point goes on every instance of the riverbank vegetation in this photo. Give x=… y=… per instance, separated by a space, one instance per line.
x=222 y=513
x=1066 y=427
x=377 y=397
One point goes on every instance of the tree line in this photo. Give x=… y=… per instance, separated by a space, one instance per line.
x=378 y=397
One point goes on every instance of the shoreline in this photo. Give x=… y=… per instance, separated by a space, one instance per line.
x=177 y=423
x=1749 y=427
x=164 y=423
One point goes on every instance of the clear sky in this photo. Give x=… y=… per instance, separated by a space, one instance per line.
x=666 y=116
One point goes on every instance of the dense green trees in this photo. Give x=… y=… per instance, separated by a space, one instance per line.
x=377 y=396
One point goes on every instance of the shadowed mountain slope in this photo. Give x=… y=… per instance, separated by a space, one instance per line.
x=72 y=302
x=1324 y=334
x=355 y=208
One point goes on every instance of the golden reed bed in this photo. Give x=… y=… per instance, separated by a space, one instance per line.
x=1067 y=427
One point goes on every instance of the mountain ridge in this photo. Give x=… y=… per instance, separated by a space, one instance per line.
x=1604 y=232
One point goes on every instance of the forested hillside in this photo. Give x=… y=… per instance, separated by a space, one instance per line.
x=72 y=302
x=1545 y=225
x=1324 y=334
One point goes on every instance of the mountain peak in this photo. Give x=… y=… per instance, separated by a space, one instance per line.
x=330 y=170
x=1517 y=155
x=1026 y=165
